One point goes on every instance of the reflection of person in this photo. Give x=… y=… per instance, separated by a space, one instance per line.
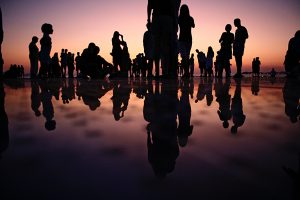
x=48 y=110
x=35 y=98
x=291 y=96
x=4 y=134
x=255 y=85
x=238 y=116
x=34 y=57
x=162 y=143
x=241 y=34
x=223 y=98
x=185 y=128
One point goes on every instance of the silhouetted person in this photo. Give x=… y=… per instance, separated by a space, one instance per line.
x=35 y=98
x=238 y=116
x=273 y=73
x=209 y=61
x=46 y=45
x=256 y=66
x=223 y=98
x=226 y=41
x=292 y=58
x=295 y=176
x=78 y=61
x=185 y=128
x=291 y=96
x=202 y=62
x=186 y=23
x=71 y=67
x=55 y=67
x=241 y=34
x=1 y=40
x=149 y=49
x=4 y=133
x=34 y=57
x=64 y=62
x=126 y=61
x=165 y=27
x=48 y=110
x=117 y=42
x=192 y=65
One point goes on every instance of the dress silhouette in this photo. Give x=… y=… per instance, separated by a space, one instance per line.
x=186 y=23
x=46 y=46
x=225 y=53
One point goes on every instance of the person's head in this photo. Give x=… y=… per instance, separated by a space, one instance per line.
x=210 y=48
x=225 y=124
x=237 y=22
x=116 y=34
x=228 y=27
x=149 y=26
x=184 y=11
x=62 y=50
x=97 y=50
x=50 y=125
x=192 y=55
x=297 y=34
x=197 y=50
x=78 y=53
x=66 y=50
x=234 y=129
x=35 y=39
x=47 y=28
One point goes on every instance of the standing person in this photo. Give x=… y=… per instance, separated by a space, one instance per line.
x=186 y=23
x=1 y=40
x=292 y=58
x=192 y=65
x=209 y=61
x=241 y=34
x=70 y=61
x=149 y=42
x=117 y=42
x=201 y=61
x=34 y=57
x=64 y=62
x=165 y=22
x=226 y=42
x=46 y=45
x=78 y=64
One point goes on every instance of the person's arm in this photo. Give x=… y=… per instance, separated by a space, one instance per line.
x=149 y=11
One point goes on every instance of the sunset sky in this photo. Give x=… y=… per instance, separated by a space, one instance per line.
x=76 y=23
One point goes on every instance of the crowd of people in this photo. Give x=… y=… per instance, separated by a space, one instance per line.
x=162 y=47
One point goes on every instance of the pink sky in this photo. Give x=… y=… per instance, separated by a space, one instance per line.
x=76 y=23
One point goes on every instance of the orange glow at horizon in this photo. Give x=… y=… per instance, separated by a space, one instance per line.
x=270 y=26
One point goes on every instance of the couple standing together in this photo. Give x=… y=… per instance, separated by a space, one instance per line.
x=163 y=20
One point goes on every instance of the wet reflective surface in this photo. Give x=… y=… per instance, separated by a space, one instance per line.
x=141 y=139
